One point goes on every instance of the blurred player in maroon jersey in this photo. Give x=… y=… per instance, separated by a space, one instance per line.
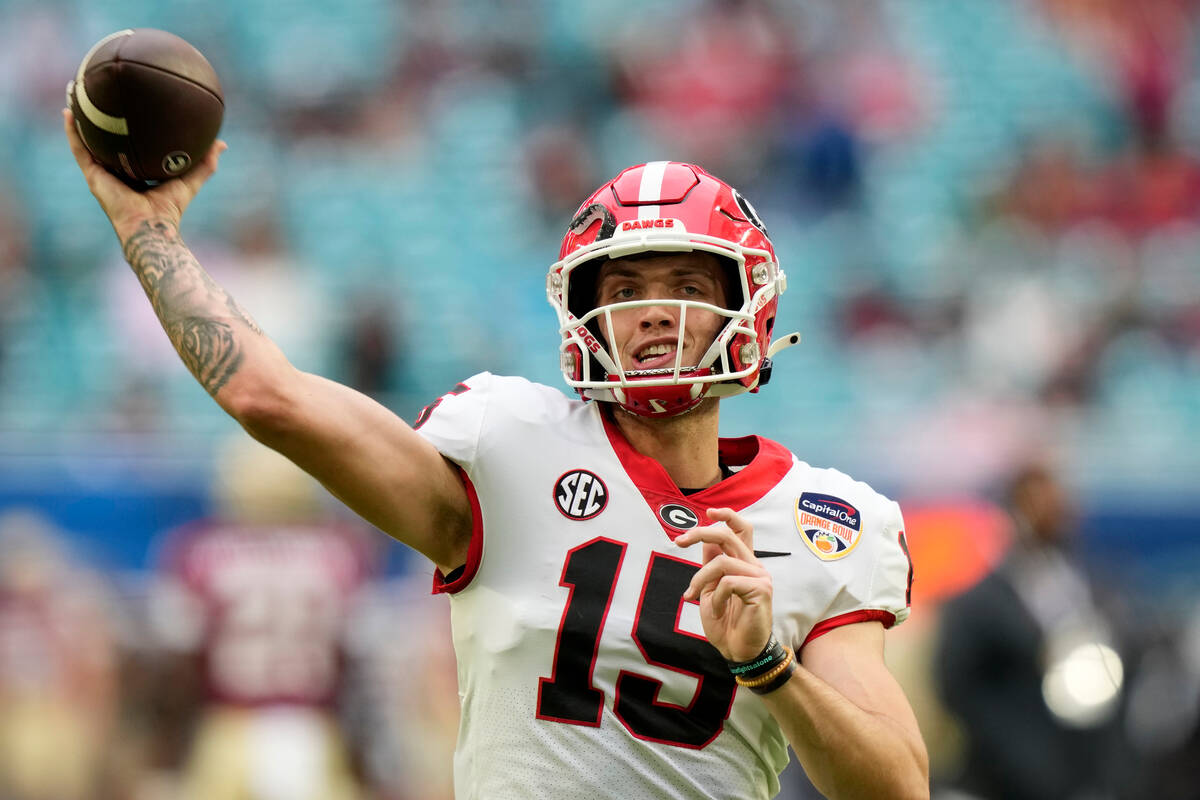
x=259 y=599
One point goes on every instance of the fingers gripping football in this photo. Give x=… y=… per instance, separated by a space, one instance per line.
x=127 y=207
x=733 y=589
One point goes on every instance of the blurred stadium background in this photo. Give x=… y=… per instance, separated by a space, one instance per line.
x=988 y=211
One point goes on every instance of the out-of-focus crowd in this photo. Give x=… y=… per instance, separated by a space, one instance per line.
x=989 y=213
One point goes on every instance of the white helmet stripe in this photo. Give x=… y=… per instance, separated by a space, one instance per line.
x=651 y=189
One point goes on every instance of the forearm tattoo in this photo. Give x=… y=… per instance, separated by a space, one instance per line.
x=204 y=323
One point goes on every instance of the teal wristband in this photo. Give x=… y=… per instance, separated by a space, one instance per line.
x=772 y=654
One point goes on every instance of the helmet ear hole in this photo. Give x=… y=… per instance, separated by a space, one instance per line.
x=582 y=294
x=581 y=300
x=731 y=283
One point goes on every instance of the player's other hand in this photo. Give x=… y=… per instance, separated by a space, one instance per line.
x=127 y=208
x=734 y=590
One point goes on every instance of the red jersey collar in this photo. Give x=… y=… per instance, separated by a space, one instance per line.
x=763 y=464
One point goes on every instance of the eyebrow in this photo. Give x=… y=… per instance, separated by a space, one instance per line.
x=618 y=272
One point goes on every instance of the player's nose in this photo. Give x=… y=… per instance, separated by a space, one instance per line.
x=662 y=314
x=657 y=316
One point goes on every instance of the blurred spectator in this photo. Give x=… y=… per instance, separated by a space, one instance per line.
x=561 y=168
x=870 y=311
x=1146 y=49
x=138 y=405
x=36 y=54
x=1146 y=185
x=372 y=356
x=14 y=275
x=58 y=668
x=713 y=87
x=829 y=163
x=257 y=601
x=266 y=274
x=1150 y=185
x=1050 y=186
x=853 y=92
x=1029 y=662
x=862 y=74
x=1084 y=250
x=1164 y=714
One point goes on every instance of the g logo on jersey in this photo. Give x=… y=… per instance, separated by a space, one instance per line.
x=679 y=517
x=830 y=526
x=580 y=494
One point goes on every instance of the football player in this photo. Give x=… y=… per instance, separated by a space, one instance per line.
x=639 y=608
x=255 y=604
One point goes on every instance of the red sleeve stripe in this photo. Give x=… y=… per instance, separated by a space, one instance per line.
x=474 y=549
x=862 y=615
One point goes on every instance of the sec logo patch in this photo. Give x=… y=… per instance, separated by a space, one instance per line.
x=580 y=494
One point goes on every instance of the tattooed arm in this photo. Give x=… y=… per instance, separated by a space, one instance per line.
x=198 y=315
x=364 y=454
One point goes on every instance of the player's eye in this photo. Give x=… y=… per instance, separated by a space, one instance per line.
x=696 y=291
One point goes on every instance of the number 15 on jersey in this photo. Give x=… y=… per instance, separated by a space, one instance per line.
x=569 y=695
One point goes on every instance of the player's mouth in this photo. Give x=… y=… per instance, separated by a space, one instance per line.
x=656 y=356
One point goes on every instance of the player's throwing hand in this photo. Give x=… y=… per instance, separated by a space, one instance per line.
x=127 y=208
x=733 y=588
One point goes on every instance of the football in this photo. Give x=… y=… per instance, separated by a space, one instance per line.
x=147 y=104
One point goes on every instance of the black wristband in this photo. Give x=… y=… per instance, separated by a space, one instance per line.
x=779 y=680
x=772 y=654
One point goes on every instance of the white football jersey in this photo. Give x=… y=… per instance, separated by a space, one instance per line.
x=583 y=674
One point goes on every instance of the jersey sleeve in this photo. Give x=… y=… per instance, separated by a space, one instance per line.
x=879 y=590
x=453 y=423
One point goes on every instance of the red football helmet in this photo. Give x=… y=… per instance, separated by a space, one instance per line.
x=666 y=206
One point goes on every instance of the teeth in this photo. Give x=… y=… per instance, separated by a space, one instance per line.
x=655 y=350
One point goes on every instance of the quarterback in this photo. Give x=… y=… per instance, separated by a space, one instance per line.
x=640 y=608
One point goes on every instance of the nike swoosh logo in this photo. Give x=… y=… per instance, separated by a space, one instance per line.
x=769 y=553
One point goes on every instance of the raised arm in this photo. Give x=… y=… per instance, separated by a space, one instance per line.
x=362 y=453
